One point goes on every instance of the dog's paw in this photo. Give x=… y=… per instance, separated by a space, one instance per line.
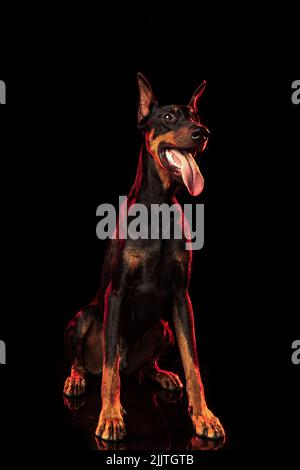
x=207 y=425
x=74 y=386
x=111 y=426
x=167 y=380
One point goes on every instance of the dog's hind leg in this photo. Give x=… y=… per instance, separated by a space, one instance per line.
x=144 y=355
x=76 y=337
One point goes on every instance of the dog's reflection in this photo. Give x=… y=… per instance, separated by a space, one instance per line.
x=195 y=443
x=202 y=443
x=110 y=445
x=74 y=403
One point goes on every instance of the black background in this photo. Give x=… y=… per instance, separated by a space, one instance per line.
x=69 y=143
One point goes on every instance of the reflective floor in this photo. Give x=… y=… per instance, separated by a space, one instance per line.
x=156 y=419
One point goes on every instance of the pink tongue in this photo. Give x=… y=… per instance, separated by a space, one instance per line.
x=190 y=172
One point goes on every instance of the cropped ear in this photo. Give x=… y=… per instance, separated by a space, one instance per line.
x=147 y=99
x=197 y=95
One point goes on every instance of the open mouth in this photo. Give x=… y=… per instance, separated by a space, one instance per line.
x=184 y=167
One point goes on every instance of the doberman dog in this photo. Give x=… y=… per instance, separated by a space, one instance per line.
x=144 y=284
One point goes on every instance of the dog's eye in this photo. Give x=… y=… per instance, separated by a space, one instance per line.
x=169 y=117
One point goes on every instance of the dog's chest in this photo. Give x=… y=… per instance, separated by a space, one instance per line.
x=152 y=268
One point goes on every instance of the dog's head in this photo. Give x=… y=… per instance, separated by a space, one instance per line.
x=174 y=135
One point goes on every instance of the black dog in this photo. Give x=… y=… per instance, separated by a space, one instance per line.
x=145 y=282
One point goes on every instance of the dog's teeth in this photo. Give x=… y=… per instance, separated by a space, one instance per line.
x=171 y=159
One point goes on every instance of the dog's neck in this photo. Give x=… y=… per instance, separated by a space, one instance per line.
x=153 y=184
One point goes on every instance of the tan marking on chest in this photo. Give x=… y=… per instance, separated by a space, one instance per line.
x=134 y=258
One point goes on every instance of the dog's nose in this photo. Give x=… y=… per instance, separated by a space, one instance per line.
x=200 y=133
x=196 y=134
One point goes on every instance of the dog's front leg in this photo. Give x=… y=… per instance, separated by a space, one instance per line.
x=205 y=423
x=111 y=424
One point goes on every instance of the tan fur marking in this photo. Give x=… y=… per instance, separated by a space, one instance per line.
x=168 y=138
x=154 y=144
x=134 y=257
x=192 y=374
